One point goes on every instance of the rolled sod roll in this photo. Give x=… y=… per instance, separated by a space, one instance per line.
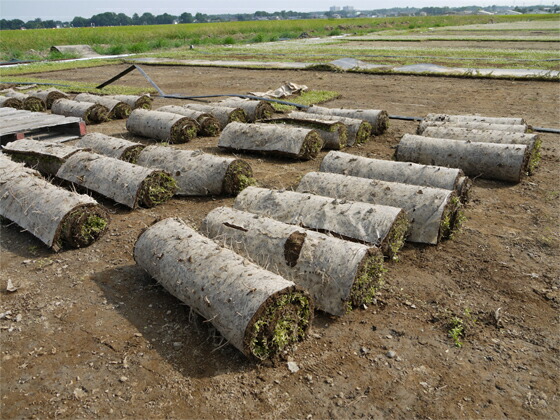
x=123 y=182
x=255 y=110
x=8 y=102
x=59 y=218
x=338 y=274
x=117 y=109
x=48 y=96
x=472 y=125
x=198 y=173
x=135 y=101
x=111 y=146
x=378 y=119
x=359 y=131
x=333 y=133
x=224 y=114
x=432 y=212
x=163 y=126
x=258 y=312
x=30 y=103
x=474 y=118
x=89 y=112
x=41 y=155
x=504 y=162
x=383 y=226
x=294 y=142
x=208 y=125
x=402 y=172
x=532 y=141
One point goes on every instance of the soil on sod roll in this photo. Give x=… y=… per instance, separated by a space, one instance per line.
x=255 y=110
x=30 y=103
x=91 y=113
x=208 y=125
x=258 y=312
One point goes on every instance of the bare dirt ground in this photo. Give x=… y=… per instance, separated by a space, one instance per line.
x=91 y=335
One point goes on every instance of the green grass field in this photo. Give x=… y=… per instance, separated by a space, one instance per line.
x=34 y=44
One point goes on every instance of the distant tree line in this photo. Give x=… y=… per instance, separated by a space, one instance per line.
x=120 y=19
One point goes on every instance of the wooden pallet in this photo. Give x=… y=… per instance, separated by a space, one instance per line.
x=16 y=124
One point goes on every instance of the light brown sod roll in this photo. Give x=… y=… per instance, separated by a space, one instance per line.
x=111 y=146
x=198 y=173
x=433 y=212
x=255 y=110
x=333 y=133
x=472 y=125
x=503 y=162
x=59 y=218
x=208 y=125
x=117 y=110
x=403 y=172
x=8 y=102
x=531 y=140
x=30 y=103
x=338 y=274
x=474 y=118
x=359 y=131
x=383 y=226
x=48 y=96
x=135 y=101
x=123 y=182
x=163 y=126
x=378 y=119
x=89 y=112
x=258 y=312
x=294 y=142
x=223 y=114
x=41 y=155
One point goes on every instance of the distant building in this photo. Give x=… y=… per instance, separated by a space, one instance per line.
x=334 y=9
x=347 y=8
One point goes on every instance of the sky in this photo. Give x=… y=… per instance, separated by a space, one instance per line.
x=67 y=9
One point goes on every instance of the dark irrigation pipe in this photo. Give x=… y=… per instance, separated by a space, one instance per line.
x=300 y=106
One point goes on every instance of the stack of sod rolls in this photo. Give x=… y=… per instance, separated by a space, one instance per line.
x=503 y=162
x=383 y=226
x=294 y=142
x=207 y=125
x=402 y=172
x=7 y=102
x=338 y=274
x=162 y=126
x=195 y=172
x=223 y=114
x=333 y=133
x=258 y=312
x=59 y=218
x=29 y=103
x=254 y=109
x=117 y=109
x=134 y=101
x=434 y=213
x=531 y=140
x=123 y=182
x=359 y=131
x=90 y=112
x=48 y=96
x=378 y=119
